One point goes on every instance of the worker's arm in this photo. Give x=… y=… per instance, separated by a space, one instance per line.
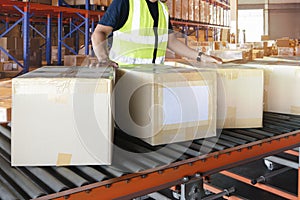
x=99 y=42
x=181 y=49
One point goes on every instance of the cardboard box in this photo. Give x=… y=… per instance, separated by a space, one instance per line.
x=281 y=84
x=171 y=8
x=70 y=2
x=285 y=51
x=72 y=106
x=75 y=60
x=239 y=95
x=283 y=42
x=6 y=66
x=163 y=104
x=229 y=55
x=3 y=56
x=297 y=51
x=191 y=11
x=197 y=10
x=11 y=42
x=54 y=53
x=178 y=10
x=265 y=37
x=184 y=10
x=5 y=101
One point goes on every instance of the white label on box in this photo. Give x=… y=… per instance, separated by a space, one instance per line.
x=185 y=104
x=3 y=117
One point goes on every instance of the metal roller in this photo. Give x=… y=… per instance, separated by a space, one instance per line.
x=222 y=142
x=5 y=145
x=282 y=124
x=21 y=180
x=281 y=129
x=146 y=152
x=93 y=173
x=5 y=193
x=238 y=135
x=251 y=134
x=268 y=134
x=211 y=144
x=124 y=164
x=184 y=149
x=71 y=176
x=12 y=187
x=51 y=181
x=4 y=131
x=233 y=139
x=114 y=171
x=174 y=154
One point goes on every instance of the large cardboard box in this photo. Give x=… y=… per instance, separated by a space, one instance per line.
x=281 y=85
x=63 y=115
x=75 y=60
x=239 y=94
x=163 y=104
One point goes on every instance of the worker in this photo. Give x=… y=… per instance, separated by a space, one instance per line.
x=141 y=32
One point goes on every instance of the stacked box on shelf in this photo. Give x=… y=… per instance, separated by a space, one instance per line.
x=170 y=5
x=75 y=60
x=231 y=55
x=5 y=101
x=191 y=9
x=281 y=83
x=177 y=10
x=74 y=104
x=184 y=10
x=197 y=10
x=239 y=95
x=164 y=104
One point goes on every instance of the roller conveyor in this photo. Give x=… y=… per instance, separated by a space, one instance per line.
x=135 y=159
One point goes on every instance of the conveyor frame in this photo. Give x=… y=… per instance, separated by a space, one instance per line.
x=138 y=184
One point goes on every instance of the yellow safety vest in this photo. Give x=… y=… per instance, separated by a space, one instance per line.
x=134 y=43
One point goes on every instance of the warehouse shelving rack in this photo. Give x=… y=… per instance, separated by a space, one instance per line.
x=26 y=13
x=186 y=25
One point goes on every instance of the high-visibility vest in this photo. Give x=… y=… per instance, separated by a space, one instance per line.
x=134 y=43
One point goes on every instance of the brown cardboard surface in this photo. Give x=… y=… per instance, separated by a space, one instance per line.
x=178 y=8
x=239 y=95
x=78 y=101
x=142 y=96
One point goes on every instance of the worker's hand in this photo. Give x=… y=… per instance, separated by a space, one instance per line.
x=105 y=63
x=211 y=59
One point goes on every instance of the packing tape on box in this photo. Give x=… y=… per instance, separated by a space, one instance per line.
x=230 y=119
x=265 y=103
x=295 y=110
x=267 y=76
x=251 y=122
x=297 y=73
x=63 y=159
x=231 y=75
x=183 y=134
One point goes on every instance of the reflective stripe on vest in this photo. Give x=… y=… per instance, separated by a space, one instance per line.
x=134 y=42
